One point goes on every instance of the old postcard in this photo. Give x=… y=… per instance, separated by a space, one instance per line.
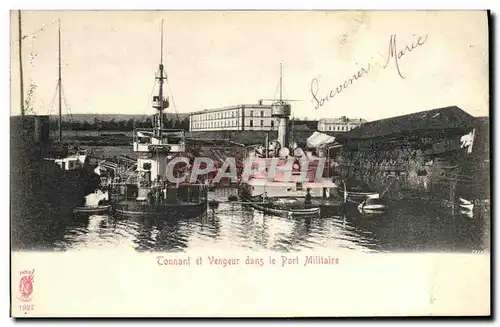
x=249 y=163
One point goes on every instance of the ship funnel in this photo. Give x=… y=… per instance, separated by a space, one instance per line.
x=281 y=110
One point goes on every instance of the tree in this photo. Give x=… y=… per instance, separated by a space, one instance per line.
x=87 y=126
x=129 y=125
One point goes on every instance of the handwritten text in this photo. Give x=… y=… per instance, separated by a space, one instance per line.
x=393 y=53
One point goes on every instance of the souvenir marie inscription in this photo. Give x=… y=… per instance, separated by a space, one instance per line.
x=394 y=55
x=282 y=261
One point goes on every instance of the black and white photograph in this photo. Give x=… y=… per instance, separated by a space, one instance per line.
x=308 y=135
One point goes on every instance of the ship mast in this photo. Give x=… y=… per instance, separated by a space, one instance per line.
x=161 y=104
x=281 y=82
x=21 y=64
x=59 y=81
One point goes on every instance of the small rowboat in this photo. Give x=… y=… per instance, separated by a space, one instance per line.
x=357 y=194
x=91 y=209
x=281 y=211
x=372 y=206
x=281 y=206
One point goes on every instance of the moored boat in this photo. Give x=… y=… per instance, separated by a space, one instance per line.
x=356 y=193
x=284 y=209
x=92 y=209
x=371 y=205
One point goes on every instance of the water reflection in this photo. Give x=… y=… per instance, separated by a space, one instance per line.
x=408 y=227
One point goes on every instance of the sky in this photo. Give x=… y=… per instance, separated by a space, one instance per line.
x=221 y=58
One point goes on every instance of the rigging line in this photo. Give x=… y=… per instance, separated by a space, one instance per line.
x=144 y=114
x=41 y=29
x=52 y=101
x=173 y=101
x=68 y=110
x=66 y=104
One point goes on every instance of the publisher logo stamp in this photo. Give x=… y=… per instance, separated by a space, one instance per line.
x=26 y=285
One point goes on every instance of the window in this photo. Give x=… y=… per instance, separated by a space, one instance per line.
x=251 y=113
x=272 y=123
x=261 y=123
x=251 y=123
x=262 y=113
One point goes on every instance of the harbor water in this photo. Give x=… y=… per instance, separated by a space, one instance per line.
x=235 y=226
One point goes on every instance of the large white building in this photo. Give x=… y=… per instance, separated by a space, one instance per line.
x=342 y=124
x=244 y=117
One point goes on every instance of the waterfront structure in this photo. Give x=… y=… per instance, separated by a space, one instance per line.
x=436 y=155
x=342 y=124
x=243 y=117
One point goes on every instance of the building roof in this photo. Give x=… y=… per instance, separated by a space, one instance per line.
x=312 y=124
x=342 y=120
x=445 y=119
x=300 y=127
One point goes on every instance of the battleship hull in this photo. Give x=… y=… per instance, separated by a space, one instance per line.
x=159 y=210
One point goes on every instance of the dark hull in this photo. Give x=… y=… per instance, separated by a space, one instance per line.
x=92 y=210
x=161 y=210
x=356 y=196
x=293 y=212
x=271 y=208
